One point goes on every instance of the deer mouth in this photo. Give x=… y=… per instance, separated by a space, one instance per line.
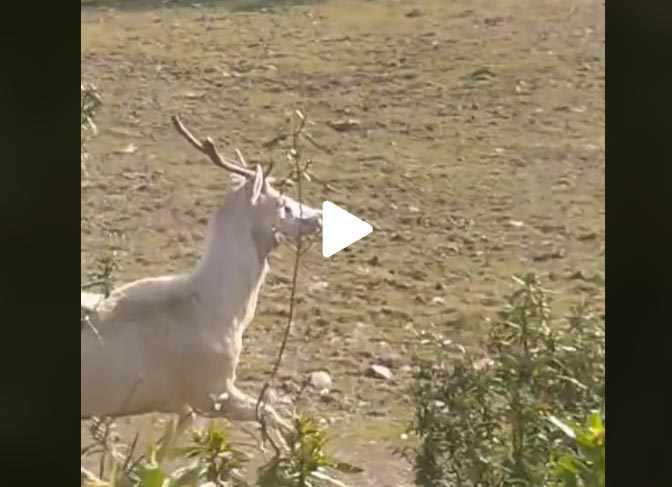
x=298 y=230
x=310 y=226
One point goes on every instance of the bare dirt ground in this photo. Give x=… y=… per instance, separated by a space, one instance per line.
x=477 y=152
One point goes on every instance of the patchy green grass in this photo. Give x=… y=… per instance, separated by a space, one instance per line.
x=480 y=153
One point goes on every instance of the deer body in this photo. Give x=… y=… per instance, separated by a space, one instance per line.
x=172 y=344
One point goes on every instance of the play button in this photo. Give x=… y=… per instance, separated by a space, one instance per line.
x=340 y=229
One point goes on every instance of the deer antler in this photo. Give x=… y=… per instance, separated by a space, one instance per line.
x=268 y=170
x=207 y=147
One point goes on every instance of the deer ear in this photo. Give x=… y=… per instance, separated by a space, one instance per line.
x=236 y=181
x=258 y=185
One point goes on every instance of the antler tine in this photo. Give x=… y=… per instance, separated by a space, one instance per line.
x=269 y=168
x=241 y=159
x=208 y=148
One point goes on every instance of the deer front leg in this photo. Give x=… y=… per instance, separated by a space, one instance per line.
x=244 y=408
x=239 y=406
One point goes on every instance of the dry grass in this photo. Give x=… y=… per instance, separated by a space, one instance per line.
x=480 y=153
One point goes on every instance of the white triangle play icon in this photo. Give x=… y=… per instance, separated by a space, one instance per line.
x=340 y=229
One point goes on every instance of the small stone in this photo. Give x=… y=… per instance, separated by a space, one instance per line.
x=345 y=125
x=380 y=372
x=327 y=399
x=373 y=261
x=438 y=300
x=453 y=247
x=587 y=236
x=577 y=275
x=376 y=413
x=320 y=380
x=318 y=286
x=390 y=360
x=488 y=301
x=483 y=363
x=552 y=255
x=129 y=149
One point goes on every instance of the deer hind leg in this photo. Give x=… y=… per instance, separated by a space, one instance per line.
x=185 y=420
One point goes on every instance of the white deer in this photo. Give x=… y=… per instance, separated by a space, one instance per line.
x=170 y=344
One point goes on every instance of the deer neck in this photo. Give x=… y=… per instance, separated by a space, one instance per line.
x=233 y=267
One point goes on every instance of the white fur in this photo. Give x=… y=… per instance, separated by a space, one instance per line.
x=90 y=301
x=170 y=344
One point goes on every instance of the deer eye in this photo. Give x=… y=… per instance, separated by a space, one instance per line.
x=288 y=210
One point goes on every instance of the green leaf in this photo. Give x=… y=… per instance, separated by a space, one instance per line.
x=113 y=475
x=569 y=479
x=568 y=464
x=152 y=476
x=595 y=422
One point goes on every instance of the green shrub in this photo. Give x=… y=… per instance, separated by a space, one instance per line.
x=211 y=458
x=583 y=464
x=305 y=462
x=483 y=417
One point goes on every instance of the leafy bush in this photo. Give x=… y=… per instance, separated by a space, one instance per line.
x=484 y=418
x=212 y=459
x=584 y=463
x=304 y=464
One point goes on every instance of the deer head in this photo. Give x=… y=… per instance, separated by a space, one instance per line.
x=269 y=212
